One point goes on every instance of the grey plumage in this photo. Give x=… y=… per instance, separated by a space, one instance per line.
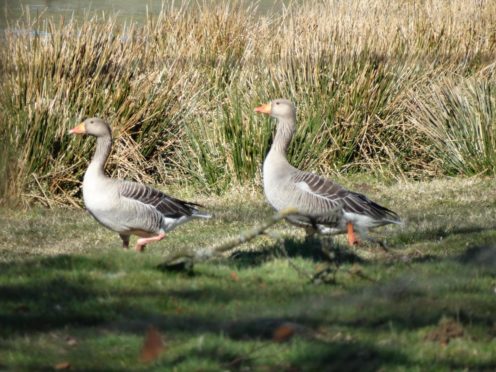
x=329 y=194
x=323 y=204
x=128 y=208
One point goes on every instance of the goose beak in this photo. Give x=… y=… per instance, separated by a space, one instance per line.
x=79 y=129
x=264 y=109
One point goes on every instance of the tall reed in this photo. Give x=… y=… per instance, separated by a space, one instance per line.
x=179 y=90
x=458 y=117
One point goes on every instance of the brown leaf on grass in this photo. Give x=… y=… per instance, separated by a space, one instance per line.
x=283 y=333
x=62 y=365
x=234 y=276
x=153 y=345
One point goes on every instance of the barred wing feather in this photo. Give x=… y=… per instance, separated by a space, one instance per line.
x=165 y=204
x=334 y=195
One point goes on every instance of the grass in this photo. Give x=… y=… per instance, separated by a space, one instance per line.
x=459 y=118
x=70 y=294
x=402 y=94
x=376 y=91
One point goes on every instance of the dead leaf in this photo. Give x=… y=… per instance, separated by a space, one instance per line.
x=62 y=365
x=153 y=345
x=234 y=276
x=283 y=333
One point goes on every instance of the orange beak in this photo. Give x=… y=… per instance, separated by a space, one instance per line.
x=264 y=109
x=79 y=129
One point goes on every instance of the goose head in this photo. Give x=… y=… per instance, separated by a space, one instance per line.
x=93 y=126
x=279 y=108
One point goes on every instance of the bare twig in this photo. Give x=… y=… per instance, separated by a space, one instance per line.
x=203 y=254
x=301 y=272
x=46 y=198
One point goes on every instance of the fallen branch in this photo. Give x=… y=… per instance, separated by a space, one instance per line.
x=203 y=254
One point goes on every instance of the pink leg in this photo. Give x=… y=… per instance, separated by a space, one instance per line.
x=140 y=244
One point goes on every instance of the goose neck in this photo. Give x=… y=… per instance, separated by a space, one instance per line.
x=102 y=152
x=284 y=134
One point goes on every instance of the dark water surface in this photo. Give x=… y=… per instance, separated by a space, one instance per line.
x=126 y=10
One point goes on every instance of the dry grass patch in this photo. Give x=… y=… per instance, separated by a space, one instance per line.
x=180 y=89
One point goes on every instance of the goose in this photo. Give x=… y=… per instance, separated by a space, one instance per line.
x=323 y=205
x=126 y=207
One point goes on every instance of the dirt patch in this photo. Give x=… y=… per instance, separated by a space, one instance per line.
x=446 y=330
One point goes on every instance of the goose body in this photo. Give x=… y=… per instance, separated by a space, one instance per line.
x=323 y=205
x=128 y=208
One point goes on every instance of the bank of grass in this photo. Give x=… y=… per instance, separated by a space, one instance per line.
x=71 y=295
x=382 y=87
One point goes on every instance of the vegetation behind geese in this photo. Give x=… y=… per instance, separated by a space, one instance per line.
x=396 y=89
x=407 y=93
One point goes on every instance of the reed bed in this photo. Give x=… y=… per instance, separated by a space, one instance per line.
x=399 y=89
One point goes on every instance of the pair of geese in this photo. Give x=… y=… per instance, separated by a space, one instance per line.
x=323 y=206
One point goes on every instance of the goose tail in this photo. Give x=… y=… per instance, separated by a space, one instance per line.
x=201 y=214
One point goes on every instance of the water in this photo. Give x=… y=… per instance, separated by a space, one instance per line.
x=126 y=10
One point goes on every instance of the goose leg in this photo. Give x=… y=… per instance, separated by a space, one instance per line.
x=352 y=240
x=140 y=244
x=125 y=241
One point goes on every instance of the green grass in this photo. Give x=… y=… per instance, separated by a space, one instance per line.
x=64 y=277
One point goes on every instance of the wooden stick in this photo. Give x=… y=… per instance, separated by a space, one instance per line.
x=47 y=200
x=203 y=254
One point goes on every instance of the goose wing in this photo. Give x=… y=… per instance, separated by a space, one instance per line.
x=334 y=195
x=165 y=204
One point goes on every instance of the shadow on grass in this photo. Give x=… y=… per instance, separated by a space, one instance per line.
x=352 y=357
x=314 y=248
x=45 y=307
x=480 y=256
x=59 y=262
x=58 y=292
x=437 y=234
x=334 y=356
x=49 y=301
